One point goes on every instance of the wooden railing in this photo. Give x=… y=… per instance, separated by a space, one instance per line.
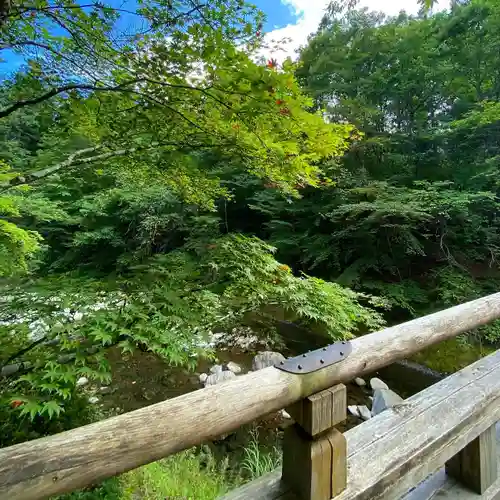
x=452 y=421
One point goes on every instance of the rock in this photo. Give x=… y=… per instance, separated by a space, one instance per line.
x=353 y=410
x=286 y=415
x=364 y=412
x=383 y=399
x=105 y=390
x=242 y=337
x=93 y=400
x=376 y=383
x=359 y=381
x=265 y=359
x=216 y=369
x=234 y=367
x=203 y=378
x=219 y=378
x=82 y=381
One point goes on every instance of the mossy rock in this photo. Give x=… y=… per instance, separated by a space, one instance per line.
x=451 y=355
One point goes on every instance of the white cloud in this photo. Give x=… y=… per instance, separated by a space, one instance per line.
x=310 y=13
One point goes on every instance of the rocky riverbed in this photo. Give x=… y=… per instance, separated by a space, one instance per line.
x=141 y=379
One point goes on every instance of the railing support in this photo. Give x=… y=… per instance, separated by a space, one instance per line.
x=476 y=465
x=314 y=453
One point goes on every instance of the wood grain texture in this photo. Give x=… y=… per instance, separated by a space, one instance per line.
x=394 y=451
x=450 y=489
x=338 y=445
x=476 y=465
x=313 y=466
x=268 y=487
x=89 y=454
x=321 y=411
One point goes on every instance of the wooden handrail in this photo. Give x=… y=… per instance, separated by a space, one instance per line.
x=86 y=455
x=392 y=453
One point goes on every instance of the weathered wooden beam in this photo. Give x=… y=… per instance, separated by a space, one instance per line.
x=89 y=454
x=321 y=411
x=314 y=453
x=475 y=466
x=394 y=451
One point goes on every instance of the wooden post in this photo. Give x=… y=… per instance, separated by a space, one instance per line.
x=475 y=466
x=314 y=453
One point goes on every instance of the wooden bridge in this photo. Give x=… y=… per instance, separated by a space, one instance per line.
x=450 y=424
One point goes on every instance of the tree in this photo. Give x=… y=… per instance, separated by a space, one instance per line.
x=75 y=46
x=117 y=176
x=151 y=105
x=412 y=213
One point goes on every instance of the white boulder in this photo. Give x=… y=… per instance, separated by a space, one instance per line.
x=353 y=410
x=234 y=367
x=383 y=399
x=219 y=378
x=82 y=381
x=376 y=383
x=359 y=381
x=364 y=412
x=265 y=359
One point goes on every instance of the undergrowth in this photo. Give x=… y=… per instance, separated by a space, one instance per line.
x=193 y=474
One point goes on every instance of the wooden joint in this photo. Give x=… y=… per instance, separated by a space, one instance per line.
x=314 y=453
x=475 y=466
x=321 y=411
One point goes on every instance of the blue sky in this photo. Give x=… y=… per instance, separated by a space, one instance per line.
x=278 y=13
x=290 y=19
x=306 y=15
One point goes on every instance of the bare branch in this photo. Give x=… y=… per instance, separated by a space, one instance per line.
x=96 y=88
x=51 y=93
x=75 y=159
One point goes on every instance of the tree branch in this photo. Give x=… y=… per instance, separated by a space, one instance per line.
x=95 y=88
x=48 y=48
x=23 y=351
x=51 y=93
x=75 y=159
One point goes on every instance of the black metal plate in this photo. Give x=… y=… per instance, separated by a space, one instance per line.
x=315 y=360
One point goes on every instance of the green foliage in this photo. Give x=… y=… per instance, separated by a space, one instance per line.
x=181 y=475
x=412 y=214
x=117 y=143
x=18 y=426
x=169 y=303
x=257 y=461
x=16 y=244
x=189 y=474
x=108 y=490
x=152 y=178
x=452 y=355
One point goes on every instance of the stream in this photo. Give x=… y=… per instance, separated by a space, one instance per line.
x=141 y=379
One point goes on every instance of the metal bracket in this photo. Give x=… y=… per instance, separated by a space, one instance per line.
x=315 y=360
